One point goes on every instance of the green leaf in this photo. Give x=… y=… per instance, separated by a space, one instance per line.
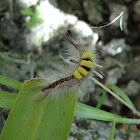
x=32 y=22
x=34 y=119
x=81 y=111
x=123 y=99
x=10 y=82
x=111 y=137
x=7 y=99
x=120 y=93
x=27 y=12
x=90 y=112
x=101 y=99
x=35 y=19
x=86 y=111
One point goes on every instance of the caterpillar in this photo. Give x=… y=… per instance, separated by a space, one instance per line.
x=78 y=65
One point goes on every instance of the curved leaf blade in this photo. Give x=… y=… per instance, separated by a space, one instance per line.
x=47 y=119
x=10 y=82
x=7 y=99
x=90 y=112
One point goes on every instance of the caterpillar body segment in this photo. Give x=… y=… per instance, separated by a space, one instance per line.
x=85 y=65
x=88 y=55
x=77 y=75
x=82 y=70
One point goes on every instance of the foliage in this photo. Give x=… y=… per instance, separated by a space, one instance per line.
x=34 y=16
x=118 y=91
x=48 y=118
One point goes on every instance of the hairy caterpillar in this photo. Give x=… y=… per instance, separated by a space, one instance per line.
x=81 y=56
x=80 y=64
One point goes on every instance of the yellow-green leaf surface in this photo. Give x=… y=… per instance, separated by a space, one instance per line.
x=10 y=82
x=81 y=110
x=7 y=99
x=90 y=112
x=34 y=119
